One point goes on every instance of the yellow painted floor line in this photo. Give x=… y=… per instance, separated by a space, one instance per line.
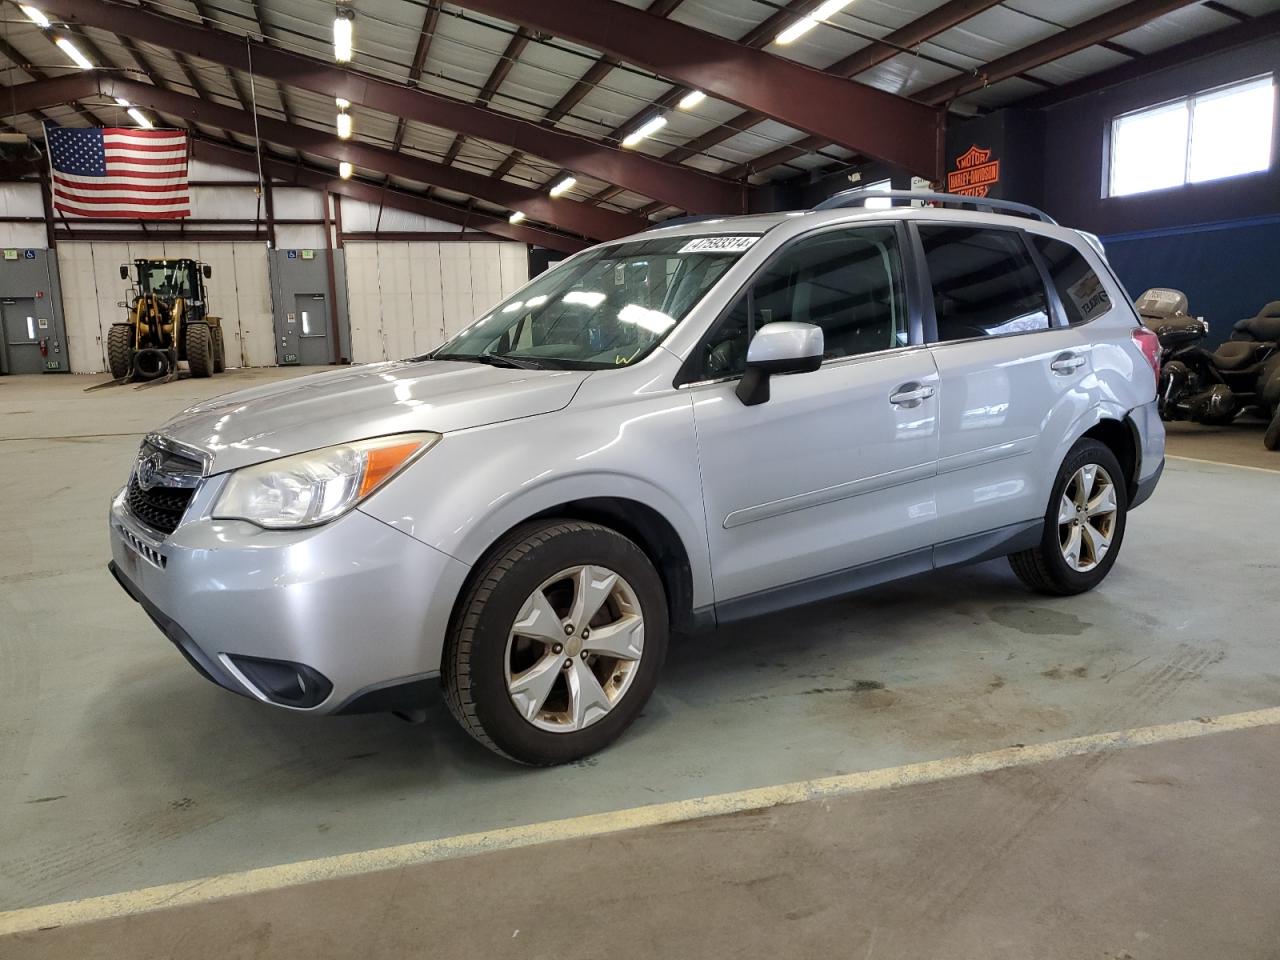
x=448 y=848
x=1223 y=463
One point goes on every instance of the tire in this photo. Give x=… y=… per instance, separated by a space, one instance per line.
x=219 y=351
x=120 y=350
x=200 y=350
x=483 y=650
x=1046 y=568
x=1271 y=439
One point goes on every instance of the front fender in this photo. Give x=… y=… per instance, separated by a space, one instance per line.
x=477 y=484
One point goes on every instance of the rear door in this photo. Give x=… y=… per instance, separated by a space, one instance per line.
x=1013 y=376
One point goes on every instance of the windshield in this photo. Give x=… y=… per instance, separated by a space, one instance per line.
x=167 y=279
x=607 y=308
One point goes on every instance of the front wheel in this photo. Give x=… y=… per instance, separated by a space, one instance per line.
x=557 y=644
x=200 y=350
x=1083 y=527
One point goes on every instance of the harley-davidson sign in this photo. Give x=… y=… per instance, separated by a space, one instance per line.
x=975 y=173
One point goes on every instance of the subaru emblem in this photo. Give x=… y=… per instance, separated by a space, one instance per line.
x=148 y=470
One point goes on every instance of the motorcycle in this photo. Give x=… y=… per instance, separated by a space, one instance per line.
x=1213 y=388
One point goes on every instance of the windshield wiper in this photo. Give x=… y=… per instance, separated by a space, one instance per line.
x=493 y=360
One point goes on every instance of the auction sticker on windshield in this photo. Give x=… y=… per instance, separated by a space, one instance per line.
x=718 y=245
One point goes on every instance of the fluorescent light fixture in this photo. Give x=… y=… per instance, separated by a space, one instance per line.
x=139 y=119
x=586 y=298
x=343 y=34
x=564 y=186
x=805 y=24
x=72 y=51
x=35 y=16
x=345 y=170
x=342 y=102
x=691 y=99
x=344 y=126
x=123 y=102
x=515 y=217
x=647 y=130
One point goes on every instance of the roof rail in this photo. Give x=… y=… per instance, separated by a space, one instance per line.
x=858 y=197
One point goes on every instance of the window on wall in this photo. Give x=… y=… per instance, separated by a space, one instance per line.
x=1215 y=134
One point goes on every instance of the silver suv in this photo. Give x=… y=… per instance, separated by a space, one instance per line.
x=701 y=423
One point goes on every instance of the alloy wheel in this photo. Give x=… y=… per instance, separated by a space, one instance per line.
x=574 y=648
x=1087 y=516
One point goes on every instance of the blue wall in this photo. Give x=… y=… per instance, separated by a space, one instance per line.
x=1227 y=270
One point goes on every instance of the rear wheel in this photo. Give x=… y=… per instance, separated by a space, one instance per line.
x=199 y=350
x=120 y=349
x=1083 y=527
x=557 y=644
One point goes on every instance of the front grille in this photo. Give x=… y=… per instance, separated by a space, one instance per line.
x=160 y=508
x=161 y=485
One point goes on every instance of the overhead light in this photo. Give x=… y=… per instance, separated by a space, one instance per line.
x=648 y=129
x=345 y=170
x=72 y=51
x=691 y=99
x=563 y=186
x=139 y=118
x=344 y=126
x=35 y=16
x=515 y=217
x=123 y=102
x=343 y=34
x=805 y=24
x=342 y=102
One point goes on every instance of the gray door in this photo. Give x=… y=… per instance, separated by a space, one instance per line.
x=22 y=334
x=305 y=338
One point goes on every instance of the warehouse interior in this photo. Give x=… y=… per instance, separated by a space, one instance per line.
x=946 y=765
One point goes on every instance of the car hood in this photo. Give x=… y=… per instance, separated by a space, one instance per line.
x=353 y=403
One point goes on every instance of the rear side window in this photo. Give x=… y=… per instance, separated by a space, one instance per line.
x=984 y=283
x=1083 y=296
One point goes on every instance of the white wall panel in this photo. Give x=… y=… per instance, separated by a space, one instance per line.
x=92 y=288
x=408 y=297
x=253 y=306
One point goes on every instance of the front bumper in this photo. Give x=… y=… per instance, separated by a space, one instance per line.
x=359 y=608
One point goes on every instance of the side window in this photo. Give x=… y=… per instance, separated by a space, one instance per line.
x=1080 y=289
x=847 y=282
x=984 y=283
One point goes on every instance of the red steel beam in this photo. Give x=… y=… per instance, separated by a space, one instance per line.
x=296 y=174
x=1103 y=27
x=689 y=189
x=563 y=212
x=918 y=31
x=862 y=118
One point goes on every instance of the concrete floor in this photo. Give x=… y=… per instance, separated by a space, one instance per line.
x=121 y=768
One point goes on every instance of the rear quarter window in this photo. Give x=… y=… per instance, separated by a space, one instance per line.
x=1080 y=289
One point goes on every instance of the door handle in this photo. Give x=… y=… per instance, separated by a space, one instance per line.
x=910 y=395
x=1066 y=363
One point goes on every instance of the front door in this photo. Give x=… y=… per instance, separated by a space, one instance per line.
x=305 y=337
x=805 y=493
x=22 y=335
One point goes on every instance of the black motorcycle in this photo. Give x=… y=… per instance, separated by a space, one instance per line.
x=1214 y=387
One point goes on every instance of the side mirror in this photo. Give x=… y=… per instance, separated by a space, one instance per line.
x=781 y=347
x=207 y=271
x=124 y=271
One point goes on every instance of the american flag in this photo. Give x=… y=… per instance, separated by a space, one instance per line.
x=119 y=173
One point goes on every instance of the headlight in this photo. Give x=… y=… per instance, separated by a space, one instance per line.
x=315 y=487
